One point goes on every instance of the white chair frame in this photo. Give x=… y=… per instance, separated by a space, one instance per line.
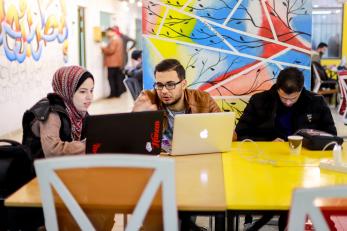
x=318 y=80
x=163 y=174
x=343 y=91
x=303 y=205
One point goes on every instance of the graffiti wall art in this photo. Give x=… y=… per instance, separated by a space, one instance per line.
x=28 y=26
x=230 y=48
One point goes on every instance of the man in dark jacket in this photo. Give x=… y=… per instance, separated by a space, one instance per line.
x=285 y=108
x=275 y=114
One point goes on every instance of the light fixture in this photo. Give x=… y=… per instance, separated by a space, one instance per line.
x=321 y=12
x=139 y=3
x=131 y=1
x=124 y=4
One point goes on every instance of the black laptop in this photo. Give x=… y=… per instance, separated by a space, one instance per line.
x=136 y=132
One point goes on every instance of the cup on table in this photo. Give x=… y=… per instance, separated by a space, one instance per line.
x=295 y=144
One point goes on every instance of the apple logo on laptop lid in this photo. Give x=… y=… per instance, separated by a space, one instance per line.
x=204 y=134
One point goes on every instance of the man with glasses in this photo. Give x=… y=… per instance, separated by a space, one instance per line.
x=275 y=114
x=171 y=95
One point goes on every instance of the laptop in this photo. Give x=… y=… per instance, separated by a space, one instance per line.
x=203 y=133
x=136 y=132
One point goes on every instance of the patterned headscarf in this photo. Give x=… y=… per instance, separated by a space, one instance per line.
x=64 y=84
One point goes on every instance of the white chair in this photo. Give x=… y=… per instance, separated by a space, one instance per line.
x=342 y=108
x=318 y=82
x=79 y=173
x=303 y=205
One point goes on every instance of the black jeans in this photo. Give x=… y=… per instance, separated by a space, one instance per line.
x=115 y=79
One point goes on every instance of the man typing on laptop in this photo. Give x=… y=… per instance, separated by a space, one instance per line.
x=170 y=94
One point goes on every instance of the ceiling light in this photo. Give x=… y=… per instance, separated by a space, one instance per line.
x=321 y=12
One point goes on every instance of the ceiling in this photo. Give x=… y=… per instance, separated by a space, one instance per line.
x=326 y=3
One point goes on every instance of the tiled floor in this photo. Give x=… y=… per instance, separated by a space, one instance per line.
x=124 y=104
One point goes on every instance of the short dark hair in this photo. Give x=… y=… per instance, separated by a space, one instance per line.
x=171 y=65
x=290 y=80
x=136 y=54
x=321 y=45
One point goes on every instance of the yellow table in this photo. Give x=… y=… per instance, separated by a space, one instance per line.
x=252 y=177
x=262 y=175
x=199 y=185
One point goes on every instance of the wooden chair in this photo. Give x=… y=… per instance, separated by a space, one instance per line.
x=304 y=205
x=94 y=188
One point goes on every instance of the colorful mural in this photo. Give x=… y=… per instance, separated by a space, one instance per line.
x=27 y=26
x=230 y=48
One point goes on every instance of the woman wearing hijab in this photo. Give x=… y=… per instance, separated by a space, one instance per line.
x=53 y=126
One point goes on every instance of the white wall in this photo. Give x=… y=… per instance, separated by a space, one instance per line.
x=21 y=85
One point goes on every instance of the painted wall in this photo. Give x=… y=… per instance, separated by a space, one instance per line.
x=39 y=36
x=231 y=48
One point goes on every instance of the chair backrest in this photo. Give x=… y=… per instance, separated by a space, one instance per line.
x=303 y=205
x=133 y=86
x=343 y=85
x=317 y=78
x=116 y=182
x=342 y=108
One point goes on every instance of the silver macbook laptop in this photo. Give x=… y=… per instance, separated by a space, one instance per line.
x=203 y=133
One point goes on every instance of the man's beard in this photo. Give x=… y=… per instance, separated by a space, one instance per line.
x=173 y=103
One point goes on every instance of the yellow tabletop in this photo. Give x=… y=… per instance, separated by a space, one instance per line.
x=199 y=185
x=262 y=175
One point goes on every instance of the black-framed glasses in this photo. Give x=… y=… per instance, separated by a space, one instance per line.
x=169 y=85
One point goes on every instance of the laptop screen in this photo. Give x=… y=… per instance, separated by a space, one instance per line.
x=136 y=132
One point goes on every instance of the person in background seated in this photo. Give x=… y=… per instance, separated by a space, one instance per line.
x=136 y=71
x=275 y=114
x=171 y=95
x=53 y=126
x=319 y=52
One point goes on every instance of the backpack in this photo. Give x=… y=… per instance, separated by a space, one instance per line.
x=16 y=167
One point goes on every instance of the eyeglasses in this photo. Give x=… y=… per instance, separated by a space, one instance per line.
x=168 y=85
x=294 y=97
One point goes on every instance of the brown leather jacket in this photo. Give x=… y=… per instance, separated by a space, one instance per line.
x=195 y=101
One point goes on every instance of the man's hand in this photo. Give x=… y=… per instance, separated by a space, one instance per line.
x=278 y=140
x=143 y=103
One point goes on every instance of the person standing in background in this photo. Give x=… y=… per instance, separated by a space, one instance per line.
x=319 y=52
x=125 y=39
x=114 y=61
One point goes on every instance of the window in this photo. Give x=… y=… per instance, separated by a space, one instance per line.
x=327 y=28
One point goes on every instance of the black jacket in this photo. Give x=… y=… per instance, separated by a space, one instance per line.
x=258 y=119
x=40 y=111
